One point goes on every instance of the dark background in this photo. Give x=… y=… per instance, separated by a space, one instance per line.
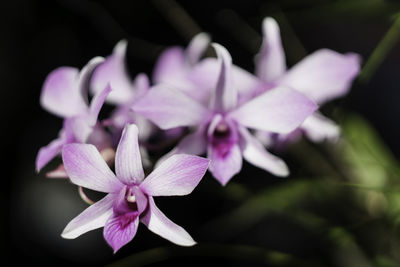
x=39 y=36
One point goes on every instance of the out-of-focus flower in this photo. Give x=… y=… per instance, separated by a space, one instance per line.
x=321 y=76
x=129 y=196
x=64 y=94
x=125 y=92
x=222 y=123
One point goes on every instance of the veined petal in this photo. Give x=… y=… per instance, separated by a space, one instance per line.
x=86 y=167
x=60 y=93
x=159 y=224
x=225 y=165
x=176 y=176
x=278 y=110
x=196 y=48
x=225 y=94
x=97 y=103
x=170 y=108
x=270 y=62
x=128 y=163
x=319 y=128
x=255 y=153
x=113 y=71
x=121 y=229
x=170 y=64
x=47 y=153
x=323 y=75
x=95 y=216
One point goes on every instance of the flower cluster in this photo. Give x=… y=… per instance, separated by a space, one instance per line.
x=213 y=107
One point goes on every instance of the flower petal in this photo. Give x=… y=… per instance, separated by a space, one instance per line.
x=270 y=62
x=113 y=71
x=225 y=94
x=225 y=166
x=196 y=48
x=170 y=64
x=278 y=110
x=319 y=128
x=170 y=108
x=86 y=167
x=159 y=224
x=323 y=75
x=128 y=163
x=60 y=93
x=176 y=176
x=47 y=153
x=95 y=216
x=96 y=104
x=255 y=153
x=120 y=230
x=84 y=77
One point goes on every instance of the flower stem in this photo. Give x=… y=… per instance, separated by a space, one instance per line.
x=381 y=51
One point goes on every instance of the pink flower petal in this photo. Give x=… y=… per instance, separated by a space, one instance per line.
x=270 y=62
x=319 y=128
x=95 y=216
x=323 y=75
x=278 y=110
x=128 y=163
x=170 y=108
x=121 y=229
x=113 y=71
x=178 y=175
x=96 y=105
x=255 y=153
x=196 y=48
x=225 y=165
x=170 y=64
x=60 y=93
x=159 y=224
x=86 y=167
x=225 y=94
x=47 y=153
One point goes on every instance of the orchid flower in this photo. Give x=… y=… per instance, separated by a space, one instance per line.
x=113 y=71
x=129 y=198
x=64 y=94
x=175 y=65
x=221 y=126
x=321 y=76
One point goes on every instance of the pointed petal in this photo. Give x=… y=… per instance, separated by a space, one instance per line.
x=323 y=75
x=225 y=95
x=58 y=173
x=86 y=167
x=95 y=216
x=196 y=48
x=170 y=108
x=60 y=93
x=47 y=153
x=159 y=224
x=96 y=104
x=176 y=176
x=255 y=153
x=141 y=84
x=270 y=62
x=279 y=110
x=85 y=75
x=225 y=166
x=170 y=64
x=113 y=71
x=79 y=128
x=120 y=230
x=128 y=163
x=319 y=128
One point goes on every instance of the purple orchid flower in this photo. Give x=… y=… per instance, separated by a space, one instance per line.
x=129 y=196
x=175 y=65
x=64 y=94
x=125 y=92
x=321 y=76
x=222 y=124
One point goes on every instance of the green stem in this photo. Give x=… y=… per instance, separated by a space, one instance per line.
x=381 y=52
